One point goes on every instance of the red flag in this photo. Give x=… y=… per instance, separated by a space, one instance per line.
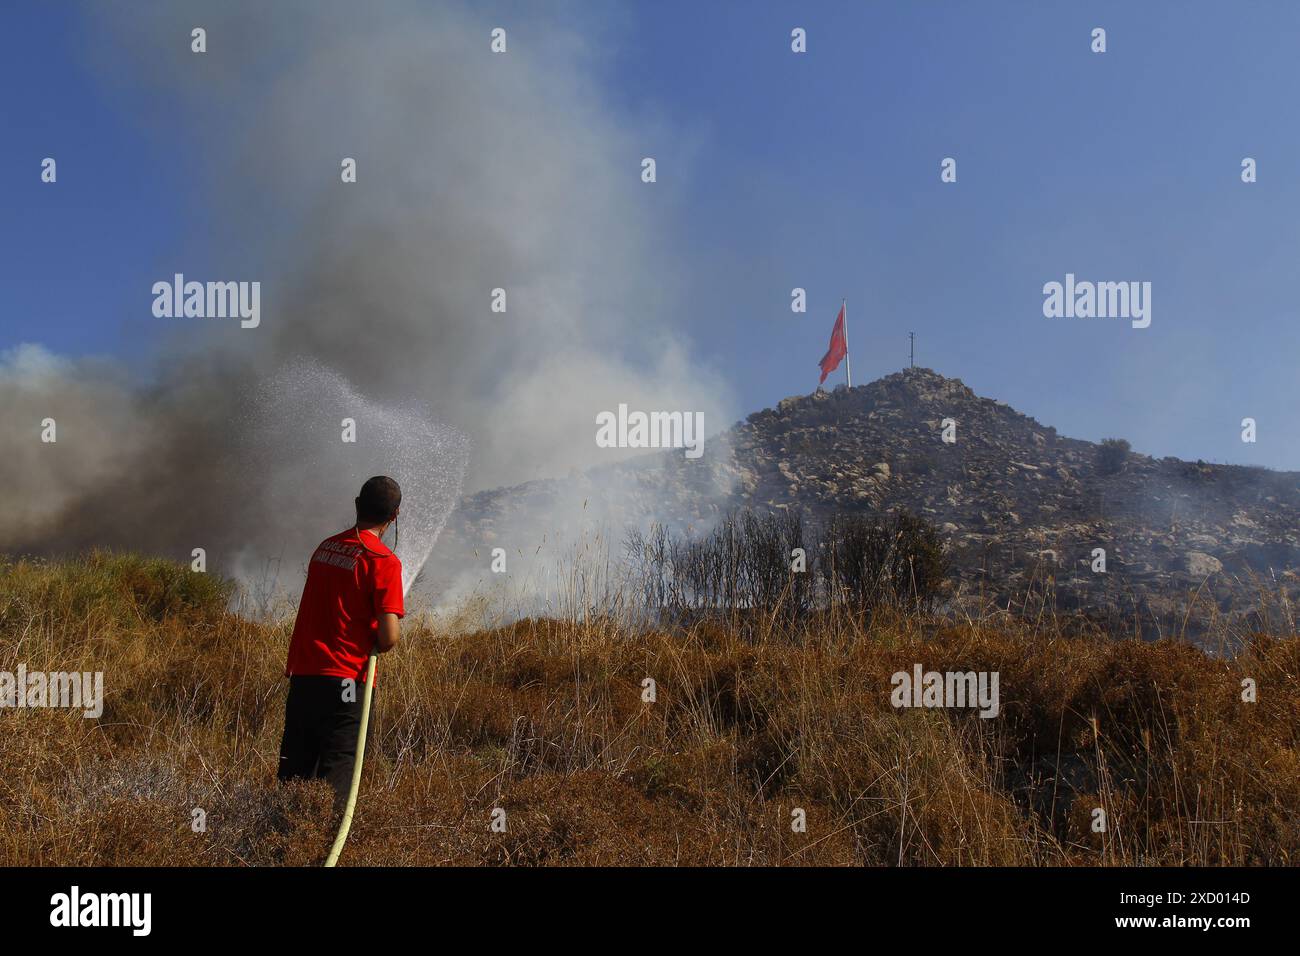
x=839 y=348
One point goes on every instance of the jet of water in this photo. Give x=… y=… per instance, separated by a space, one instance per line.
x=314 y=439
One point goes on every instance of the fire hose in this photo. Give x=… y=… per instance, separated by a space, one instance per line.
x=346 y=823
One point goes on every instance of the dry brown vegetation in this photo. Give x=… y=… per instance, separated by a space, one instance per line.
x=545 y=719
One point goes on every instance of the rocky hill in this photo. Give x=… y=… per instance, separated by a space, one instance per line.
x=1022 y=508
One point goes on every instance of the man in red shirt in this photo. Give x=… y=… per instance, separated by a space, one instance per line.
x=350 y=604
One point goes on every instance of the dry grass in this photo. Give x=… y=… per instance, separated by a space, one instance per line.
x=545 y=719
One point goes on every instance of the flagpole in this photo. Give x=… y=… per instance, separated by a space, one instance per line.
x=848 y=362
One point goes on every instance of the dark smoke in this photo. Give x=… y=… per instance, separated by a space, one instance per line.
x=475 y=171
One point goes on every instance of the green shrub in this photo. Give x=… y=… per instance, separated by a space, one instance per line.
x=121 y=588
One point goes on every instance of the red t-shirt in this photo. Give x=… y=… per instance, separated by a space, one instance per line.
x=352 y=578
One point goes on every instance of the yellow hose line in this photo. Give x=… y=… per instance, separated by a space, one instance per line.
x=346 y=823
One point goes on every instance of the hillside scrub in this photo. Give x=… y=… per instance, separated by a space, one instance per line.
x=547 y=720
x=784 y=568
x=1004 y=494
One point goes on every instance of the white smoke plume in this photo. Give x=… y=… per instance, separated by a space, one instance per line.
x=476 y=171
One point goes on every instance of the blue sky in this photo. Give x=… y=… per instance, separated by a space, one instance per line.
x=822 y=171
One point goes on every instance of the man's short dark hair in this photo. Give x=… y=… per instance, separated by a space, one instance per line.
x=378 y=500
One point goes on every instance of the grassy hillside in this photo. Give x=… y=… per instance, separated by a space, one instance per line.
x=546 y=720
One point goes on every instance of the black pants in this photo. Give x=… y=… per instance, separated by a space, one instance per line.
x=320 y=731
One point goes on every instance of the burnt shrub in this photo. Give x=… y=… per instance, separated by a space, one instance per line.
x=1112 y=453
x=750 y=563
x=867 y=562
x=745 y=562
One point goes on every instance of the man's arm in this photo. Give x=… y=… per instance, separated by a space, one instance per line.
x=388 y=634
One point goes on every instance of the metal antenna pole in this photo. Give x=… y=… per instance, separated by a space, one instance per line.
x=848 y=359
